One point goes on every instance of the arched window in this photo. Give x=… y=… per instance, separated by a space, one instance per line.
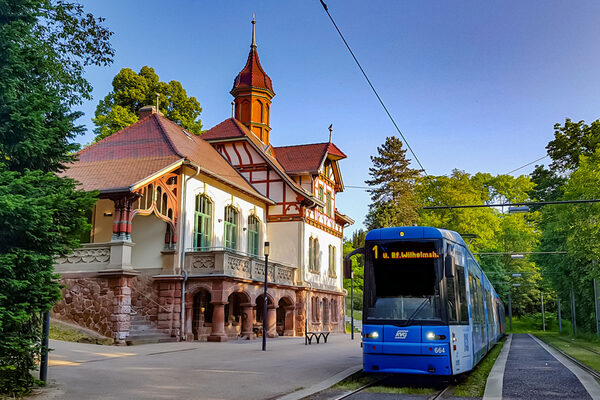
x=316 y=250
x=253 y=227
x=332 y=262
x=202 y=223
x=231 y=228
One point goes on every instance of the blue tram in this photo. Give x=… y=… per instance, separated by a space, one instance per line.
x=428 y=307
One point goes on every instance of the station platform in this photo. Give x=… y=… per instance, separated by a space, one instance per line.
x=528 y=369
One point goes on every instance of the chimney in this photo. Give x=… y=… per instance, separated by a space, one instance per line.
x=146 y=111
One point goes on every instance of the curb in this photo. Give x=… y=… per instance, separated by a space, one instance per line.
x=493 y=386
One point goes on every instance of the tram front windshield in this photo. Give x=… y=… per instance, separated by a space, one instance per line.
x=402 y=283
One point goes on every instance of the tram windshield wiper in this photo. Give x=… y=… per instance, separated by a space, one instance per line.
x=414 y=314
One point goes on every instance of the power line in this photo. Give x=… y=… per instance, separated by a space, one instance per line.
x=372 y=87
x=525 y=203
x=526 y=165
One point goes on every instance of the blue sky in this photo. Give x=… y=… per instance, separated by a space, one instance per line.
x=473 y=85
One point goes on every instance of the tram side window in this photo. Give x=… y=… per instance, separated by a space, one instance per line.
x=462 y=295
x=476 y=299
x=452 y=304
x=480 y=309
x=490 y=307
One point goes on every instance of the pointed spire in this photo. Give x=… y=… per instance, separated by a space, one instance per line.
x=330 y=132
x=253 y=45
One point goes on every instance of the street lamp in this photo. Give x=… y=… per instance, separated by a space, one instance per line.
x=510 y=300
x=264 y=344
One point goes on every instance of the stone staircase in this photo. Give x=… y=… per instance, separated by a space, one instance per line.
x=143 y=331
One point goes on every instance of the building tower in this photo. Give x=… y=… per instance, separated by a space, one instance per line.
x=252 y=92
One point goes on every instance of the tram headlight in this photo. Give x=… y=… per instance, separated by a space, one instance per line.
x=372 y=335
x=433 y=336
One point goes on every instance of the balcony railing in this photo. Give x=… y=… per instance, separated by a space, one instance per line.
x=91 y=256
x=219 y=261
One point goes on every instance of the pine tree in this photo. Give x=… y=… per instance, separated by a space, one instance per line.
x=44 y=46
x=394 y=202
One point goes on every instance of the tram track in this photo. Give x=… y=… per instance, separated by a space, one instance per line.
x=583 y=366
x=579 y=345
x=435 y=396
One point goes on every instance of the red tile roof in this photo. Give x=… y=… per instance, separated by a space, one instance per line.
x=144 y=148
x=253 y=74
x=230 y=128
x=306 y=157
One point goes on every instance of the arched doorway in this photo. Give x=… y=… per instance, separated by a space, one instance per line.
x=271 y=315
x=235 y=314
x=202 y=315
x=285 y=317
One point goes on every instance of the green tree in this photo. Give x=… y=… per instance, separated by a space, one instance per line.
x=44 y=47
x=394 y=202
x=575 y=229
x=572 y=140
x=132 y=91
x=358 y=270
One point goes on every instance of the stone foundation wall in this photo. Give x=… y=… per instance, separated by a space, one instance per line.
x=99 y=303
x=144 y=297
x=87 y=302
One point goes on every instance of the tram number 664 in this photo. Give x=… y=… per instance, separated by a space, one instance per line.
x=439 y=350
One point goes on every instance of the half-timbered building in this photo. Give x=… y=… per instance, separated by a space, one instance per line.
x=176 y=245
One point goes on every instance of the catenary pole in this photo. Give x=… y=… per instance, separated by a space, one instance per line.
x=573 y=315
x=510 y=310
x=596 y=307
x=543 y=315
x=559 y=315
x=351 y=305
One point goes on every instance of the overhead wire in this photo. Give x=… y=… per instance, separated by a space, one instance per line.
x=373 y=88
x=526 y=165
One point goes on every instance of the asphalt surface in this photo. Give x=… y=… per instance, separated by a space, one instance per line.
x=193 y=370
x=532 y=373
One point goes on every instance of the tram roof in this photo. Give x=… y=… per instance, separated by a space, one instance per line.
x=414 y=232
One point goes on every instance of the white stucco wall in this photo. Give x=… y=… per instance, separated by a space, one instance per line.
x=285 y=241
x=222 y=196
x=148 y=234
x=322 y=279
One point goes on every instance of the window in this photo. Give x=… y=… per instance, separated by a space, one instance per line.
x=321 y=197
x=332 y=266
x=313 y=255
x=329 y=205
x=253 y=226
x=231 y=228
x=203 y=222
x=462 y=295
x=451 y=299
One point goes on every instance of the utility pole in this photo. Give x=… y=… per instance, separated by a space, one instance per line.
x=510 y=310
x=44 y=360
x=543 y=315
x=597 y=307
x=573 y=315
x=559 y=316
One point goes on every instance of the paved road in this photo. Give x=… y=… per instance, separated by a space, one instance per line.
x=194 y=370
x=532 y=373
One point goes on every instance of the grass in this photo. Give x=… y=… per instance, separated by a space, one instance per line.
x=573 y=347
x=472 y=384
x=67 y=333
x=355 y=381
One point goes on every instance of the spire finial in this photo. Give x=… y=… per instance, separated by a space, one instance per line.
x=330 y=132
x=253 y=45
